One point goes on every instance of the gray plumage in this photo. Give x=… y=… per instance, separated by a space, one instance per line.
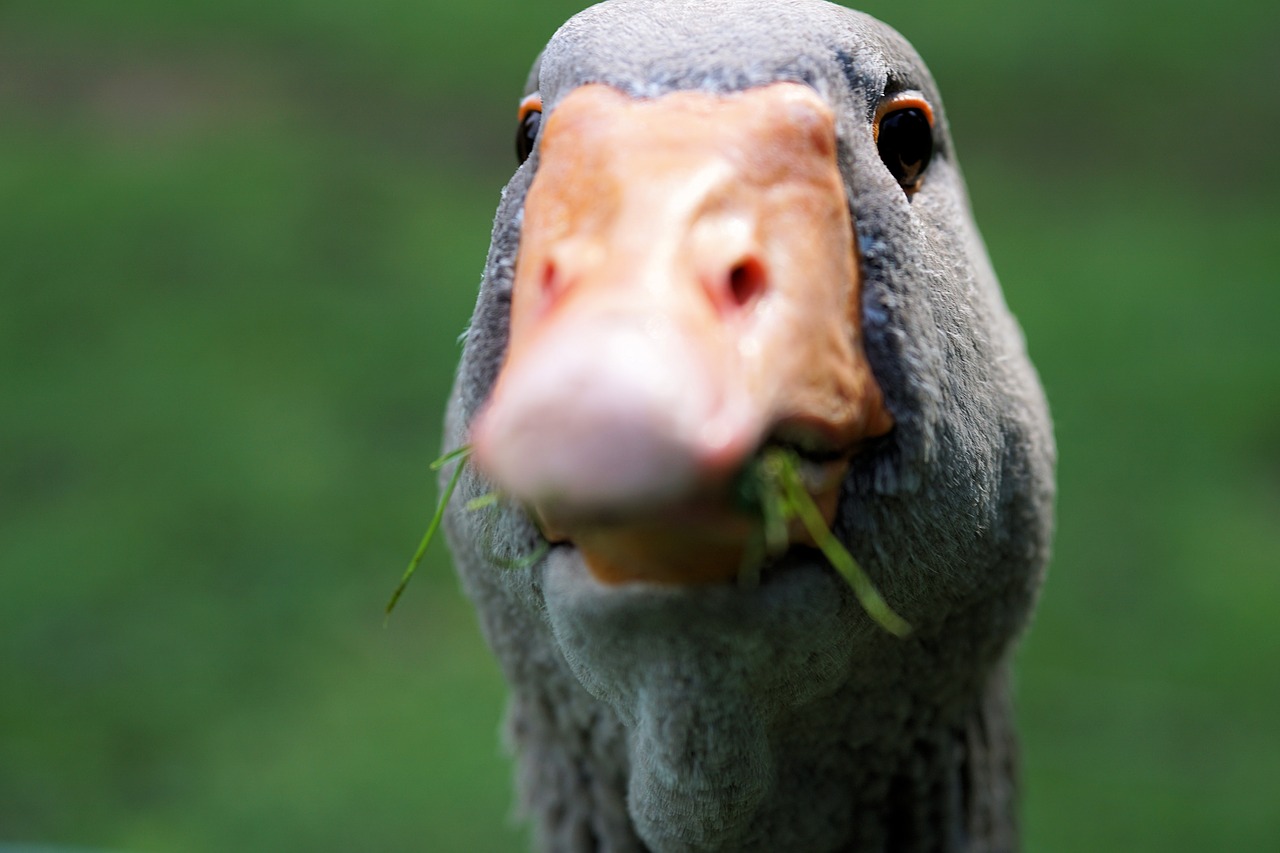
x=781 y=718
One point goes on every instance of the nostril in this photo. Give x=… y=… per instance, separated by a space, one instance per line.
x=746 y=282
x=550 y=281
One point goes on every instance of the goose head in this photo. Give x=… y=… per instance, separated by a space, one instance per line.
x=739 y=225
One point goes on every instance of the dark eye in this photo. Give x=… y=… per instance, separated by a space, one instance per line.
x=904 y=136
x=527 y=132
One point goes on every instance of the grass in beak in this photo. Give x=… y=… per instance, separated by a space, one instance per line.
x=482 y=502
x=461 y=455
x=486 y=501
x=773 y=486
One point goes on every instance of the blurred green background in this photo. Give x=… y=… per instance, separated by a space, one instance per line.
x=238 y=241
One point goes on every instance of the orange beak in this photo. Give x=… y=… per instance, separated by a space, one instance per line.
x=686 y=290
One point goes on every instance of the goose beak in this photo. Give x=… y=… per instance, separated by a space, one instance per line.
x=686 y=292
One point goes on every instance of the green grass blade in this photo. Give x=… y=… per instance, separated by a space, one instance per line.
x=483 y=502
x=802 y=506
x=773 y=507
x=525 y=562
x=461 y=455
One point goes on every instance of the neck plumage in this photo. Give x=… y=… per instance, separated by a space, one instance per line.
x=860 y=770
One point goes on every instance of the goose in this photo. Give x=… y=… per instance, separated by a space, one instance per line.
x=738 y=228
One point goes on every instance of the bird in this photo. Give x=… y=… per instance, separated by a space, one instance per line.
x=738 y=229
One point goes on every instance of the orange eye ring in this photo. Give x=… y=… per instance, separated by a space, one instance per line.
x=529 y=104
x=903 y=134
x=530 y=120
x=904 y=101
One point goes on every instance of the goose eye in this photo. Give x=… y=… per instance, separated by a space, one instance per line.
x=904 y=137
x=527 y=132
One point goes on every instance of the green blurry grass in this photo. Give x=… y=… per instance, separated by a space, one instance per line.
x=1146 y=686
x=237 y=244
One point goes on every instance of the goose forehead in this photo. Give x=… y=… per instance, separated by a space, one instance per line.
x=648 y=47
